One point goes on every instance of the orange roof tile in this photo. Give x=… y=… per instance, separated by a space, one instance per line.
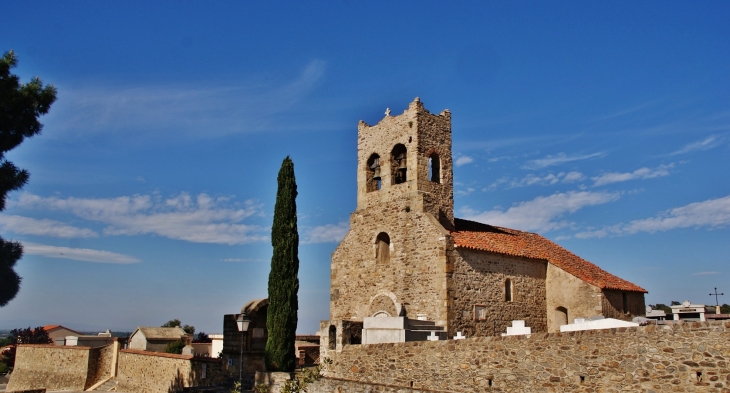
x=483 y=237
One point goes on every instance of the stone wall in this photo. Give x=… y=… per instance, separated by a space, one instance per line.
x=414 y=276
x=50 y=367
x=685 y=357
x=567 y=294
x=478 y=280
x=147 y=372
x=100 y=364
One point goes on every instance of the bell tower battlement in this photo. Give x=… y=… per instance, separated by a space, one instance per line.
x=407 y=158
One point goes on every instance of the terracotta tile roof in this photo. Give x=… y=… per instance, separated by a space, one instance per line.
x=483 y=237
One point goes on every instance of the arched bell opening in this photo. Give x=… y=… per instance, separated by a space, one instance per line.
x=399 y=164
x=373 y=174
x=434 y=168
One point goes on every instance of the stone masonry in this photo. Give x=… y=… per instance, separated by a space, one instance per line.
x=406 y=255
x=412 y=214
x=685 y=357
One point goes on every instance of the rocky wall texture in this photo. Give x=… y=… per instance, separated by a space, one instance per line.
x=50 y=367
x=685 y=357
x=414 y=274
x=479 y=282
x=147 y=372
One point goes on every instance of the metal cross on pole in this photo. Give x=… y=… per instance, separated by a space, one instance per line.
x=717 y=303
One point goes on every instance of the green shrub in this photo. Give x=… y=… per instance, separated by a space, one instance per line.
x=175 y=347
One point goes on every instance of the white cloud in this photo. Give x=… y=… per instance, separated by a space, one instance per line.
x=558 y=159
x=542 y=213
x=468 y=191
x=77 y=254
x=329 y=233
x=641 y=173
x=201 y=110
x=705 y=273
x=705 y=144
x=242 y=260
x=44 y=227
x=463 y=160
x=200 y=219
x=533 y=180
x=713 y=213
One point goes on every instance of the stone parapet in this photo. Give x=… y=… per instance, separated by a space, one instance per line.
x=683 y=357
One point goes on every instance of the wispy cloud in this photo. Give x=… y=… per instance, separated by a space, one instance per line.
x=201 y=219
x=534 y=180
x=77 y=254
x=705 y=144
x=713 y=213
x=252 y=260
x=199 y=110
x=463 y=192
x=329 y=233
x=705 y=273
x=641 y=173
x=44 y=227
x=463 y=160
x=542 y=213
x=558 y=159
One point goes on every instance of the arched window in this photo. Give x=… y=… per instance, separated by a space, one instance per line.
x=398 y=164
x=434 y=168
x=333 y=337
x=372 y=173
x=508 y=290
x=382 y=248
x=561 y=316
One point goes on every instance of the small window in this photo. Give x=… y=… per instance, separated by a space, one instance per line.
x=508 y=290
x=399 y=164
x=382 y=248
x=480 y=313
x=373 y=174
x=434 y=168
x=332 y=337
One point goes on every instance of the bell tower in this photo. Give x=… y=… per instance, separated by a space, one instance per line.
x=393 y=264
x=408 y=156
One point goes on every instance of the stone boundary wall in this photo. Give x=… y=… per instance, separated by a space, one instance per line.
x=100 y=364
x=154 y=372
x=683 y=357
x=51 y=367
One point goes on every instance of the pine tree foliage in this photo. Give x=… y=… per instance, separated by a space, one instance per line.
x=283 y=279
x=20 y=106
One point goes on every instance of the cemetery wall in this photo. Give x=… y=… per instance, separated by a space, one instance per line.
x=684 y=357
x=50 y=367
x=154 y=372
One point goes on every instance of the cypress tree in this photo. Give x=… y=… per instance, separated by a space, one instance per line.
x=281 y=320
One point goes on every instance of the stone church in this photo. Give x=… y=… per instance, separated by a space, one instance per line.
x=407 y=259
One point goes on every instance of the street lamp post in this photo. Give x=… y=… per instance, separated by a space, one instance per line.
x=243 y=321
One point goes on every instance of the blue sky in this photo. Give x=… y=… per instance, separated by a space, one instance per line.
x=602 y=126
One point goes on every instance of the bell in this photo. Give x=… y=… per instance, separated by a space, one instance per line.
x=376 y=175
x=402 y=166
